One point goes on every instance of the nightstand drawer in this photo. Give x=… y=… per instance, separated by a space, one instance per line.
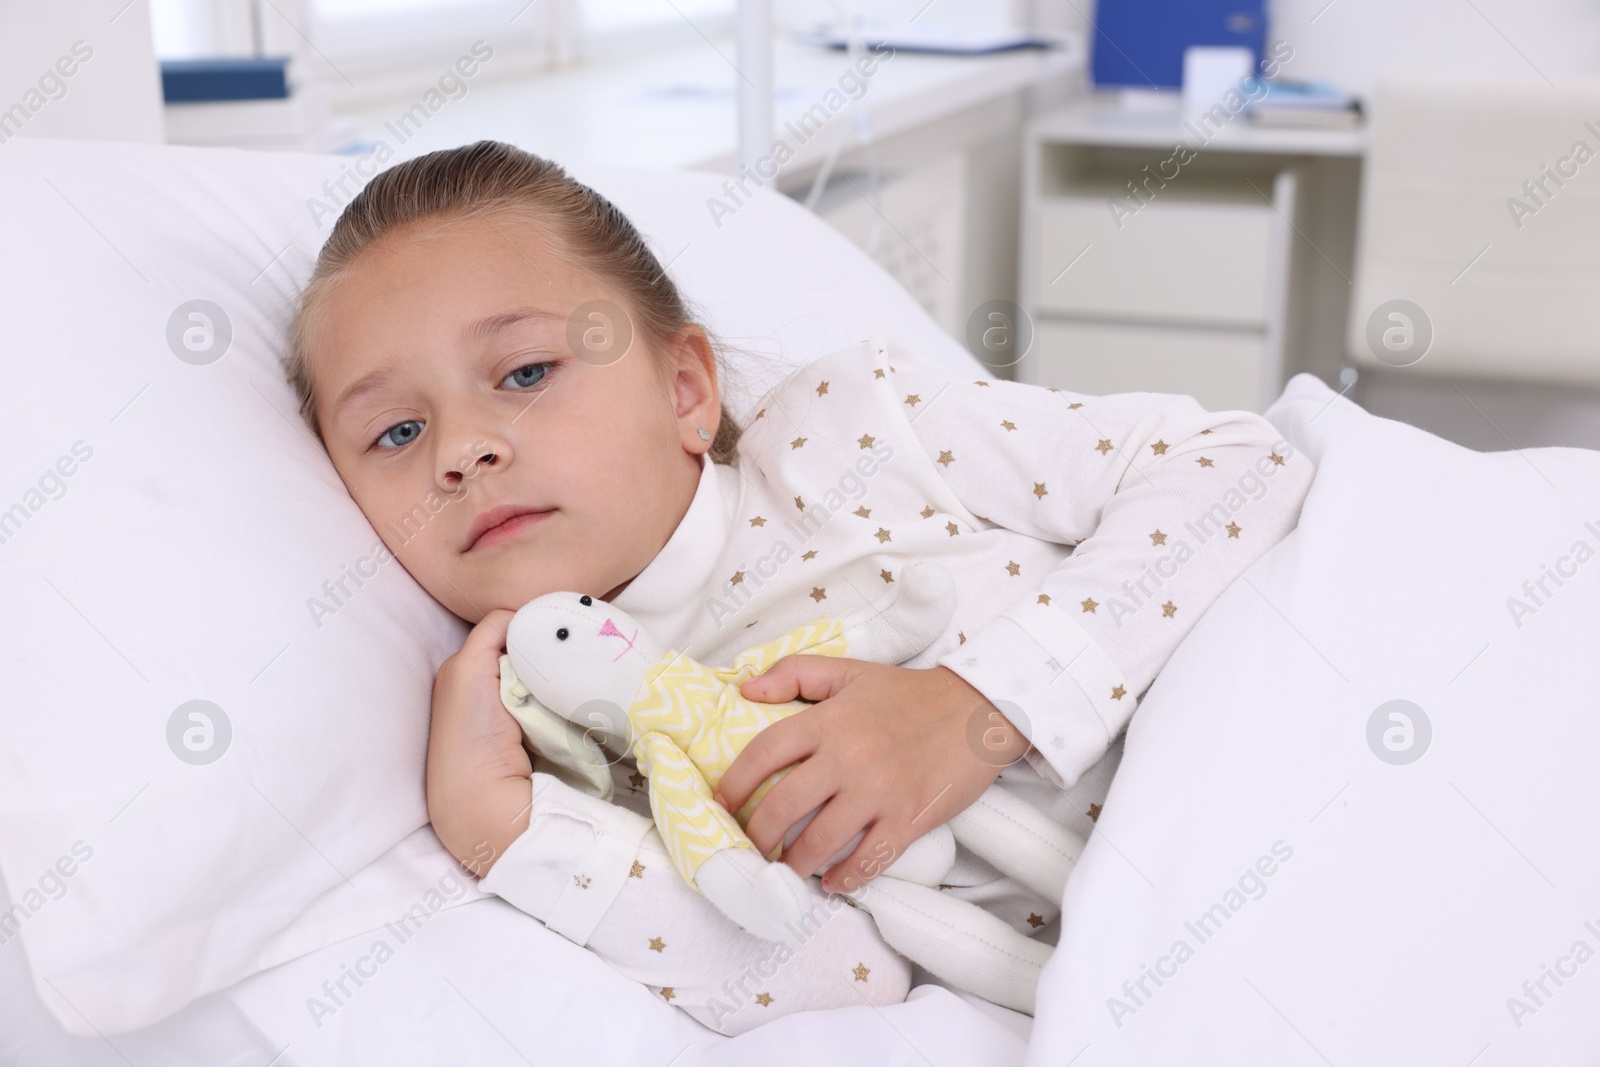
x=1223 y=369
x=1172 y=261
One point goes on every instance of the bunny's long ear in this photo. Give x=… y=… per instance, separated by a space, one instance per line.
x=561 y=748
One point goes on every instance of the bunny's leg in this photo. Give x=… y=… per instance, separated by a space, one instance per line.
x=711 y=850
x=927 y=860
x=766 y=899
x=1019 y=840
x=958 y=941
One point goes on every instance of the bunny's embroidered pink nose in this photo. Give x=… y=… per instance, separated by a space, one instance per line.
x=609 y=629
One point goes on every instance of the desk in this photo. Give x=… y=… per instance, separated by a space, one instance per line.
x=1162 y=255
x=676 y=108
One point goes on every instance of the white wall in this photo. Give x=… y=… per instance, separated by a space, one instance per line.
x=113 y=94
x=1356 y=42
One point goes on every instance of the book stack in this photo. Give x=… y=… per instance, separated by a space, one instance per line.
x=1296 y=103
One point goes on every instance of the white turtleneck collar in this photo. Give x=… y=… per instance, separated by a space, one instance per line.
x=665 y=595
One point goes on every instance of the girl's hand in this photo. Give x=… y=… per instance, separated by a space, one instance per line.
x=894 y=751
x=480 y=779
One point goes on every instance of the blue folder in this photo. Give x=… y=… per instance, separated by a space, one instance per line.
x=1140 y=43
x=194 y=80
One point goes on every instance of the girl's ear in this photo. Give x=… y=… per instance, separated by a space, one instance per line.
x=697 y=403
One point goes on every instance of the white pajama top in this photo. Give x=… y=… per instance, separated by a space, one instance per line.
x=1086 y=535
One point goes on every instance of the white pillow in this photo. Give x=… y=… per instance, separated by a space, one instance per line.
x=166 y=524
x=1336 y=903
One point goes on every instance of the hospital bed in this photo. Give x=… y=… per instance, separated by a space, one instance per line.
x=1283 y=872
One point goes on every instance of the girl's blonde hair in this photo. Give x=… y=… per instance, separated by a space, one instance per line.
x=494 y=176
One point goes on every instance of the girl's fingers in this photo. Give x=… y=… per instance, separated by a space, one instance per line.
x=774 y=748
x=468 y=717
x=876 y=852
x=802 y=676
x=833 y=828
x=477 y=662
x=488 y=637
x=797 y=794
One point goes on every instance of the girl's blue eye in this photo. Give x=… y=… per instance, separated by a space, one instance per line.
x=531 y=375
x=401 y=433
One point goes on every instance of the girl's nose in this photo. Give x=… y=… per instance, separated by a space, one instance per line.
x=465 y=453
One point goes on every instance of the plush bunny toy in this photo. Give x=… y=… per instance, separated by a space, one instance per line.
x=583 y=662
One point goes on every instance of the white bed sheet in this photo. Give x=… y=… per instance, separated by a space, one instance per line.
x=485 y=984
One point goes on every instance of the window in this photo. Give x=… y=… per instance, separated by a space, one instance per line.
x=570 y=27
x=347 y=8
x=363 y=38
x=368 y=49
x=191 y=29
x=609 y=16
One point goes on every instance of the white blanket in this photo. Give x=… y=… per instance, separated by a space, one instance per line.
x=1442 y=910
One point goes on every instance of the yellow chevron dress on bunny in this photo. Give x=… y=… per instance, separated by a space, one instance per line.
x=690 y=721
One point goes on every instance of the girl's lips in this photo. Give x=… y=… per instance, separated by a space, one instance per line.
x=509 y=529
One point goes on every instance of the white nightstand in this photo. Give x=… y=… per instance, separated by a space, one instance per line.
x=1164 y=256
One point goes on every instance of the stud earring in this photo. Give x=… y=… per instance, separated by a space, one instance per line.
x=705 y=435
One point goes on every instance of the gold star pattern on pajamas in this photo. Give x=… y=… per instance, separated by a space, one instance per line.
x=640 y=916
x=1110 y=523
x=1041 y=502
x=1112 y=507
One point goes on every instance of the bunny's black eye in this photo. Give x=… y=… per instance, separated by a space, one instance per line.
x=585 y=600
x=561 y=634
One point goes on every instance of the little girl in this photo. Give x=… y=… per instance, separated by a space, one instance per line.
x=516 y=395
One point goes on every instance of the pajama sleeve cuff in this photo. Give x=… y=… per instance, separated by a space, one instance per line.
x=595 y=873
x=1057 y=686
x=568 y=866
